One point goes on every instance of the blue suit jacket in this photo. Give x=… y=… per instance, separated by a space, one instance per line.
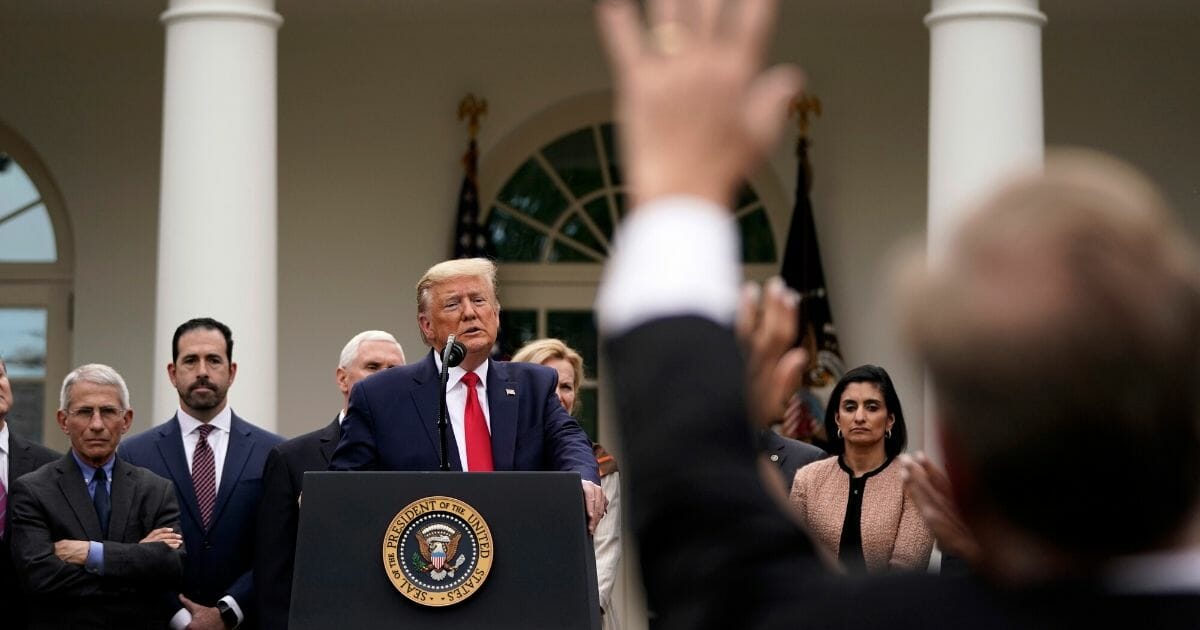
x=391 y=422
x=219 y=560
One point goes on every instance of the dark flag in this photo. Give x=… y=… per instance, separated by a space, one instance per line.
x=469 y=238
x=802 y=270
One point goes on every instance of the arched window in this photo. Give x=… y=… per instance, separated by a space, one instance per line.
x=554 y=194
x=35 y=288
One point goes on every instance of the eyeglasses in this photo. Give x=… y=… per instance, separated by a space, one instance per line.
x=107 y=414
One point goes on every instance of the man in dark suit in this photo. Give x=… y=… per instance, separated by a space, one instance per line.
x=95 y=540
x=508 y=418
x=790 y=455
x=1029 y=325
x=17 y=457
x=366 y=353
x=215 y=459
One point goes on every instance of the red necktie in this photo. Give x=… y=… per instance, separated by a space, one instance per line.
x=204 y=476
x=479 y=441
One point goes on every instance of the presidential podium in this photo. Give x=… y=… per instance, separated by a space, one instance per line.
x=443 y=550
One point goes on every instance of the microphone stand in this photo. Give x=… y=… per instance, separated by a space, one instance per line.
x=443 y=417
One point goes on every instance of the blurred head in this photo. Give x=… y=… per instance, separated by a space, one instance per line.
x=1061 y=331
x=94 y=411
x=459 y=297
x=201 y=370
x=564 y=359
x=864 y=407
x=365 y=354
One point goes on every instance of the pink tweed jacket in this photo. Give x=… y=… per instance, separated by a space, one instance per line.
x=893 y=534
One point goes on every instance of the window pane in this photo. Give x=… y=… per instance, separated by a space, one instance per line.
x=758 y=246
x=586 y=412
x=610 y=148
x=574 y=158
x=562 y=252
x=578 y=330
x=532 y=192
x=28 y=237
x=510 y=239
x=578 y=230
x=517 y=328
x=16 y=189
x=23 y=346
x=601 y=215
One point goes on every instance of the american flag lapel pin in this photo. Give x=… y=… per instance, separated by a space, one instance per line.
x=510 y=391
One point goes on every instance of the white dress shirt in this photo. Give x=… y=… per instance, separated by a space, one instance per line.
x=456 y=403
x=218 y=438
x=4 y=456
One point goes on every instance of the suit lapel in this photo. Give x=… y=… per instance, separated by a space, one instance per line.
x=70 y=483
x=236 y=454
x=503 y=409
x=170 y=447
x=122 y=500
x=425 y=399
x=329 y=440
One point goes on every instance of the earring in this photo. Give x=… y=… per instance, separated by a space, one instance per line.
x=888 y=434
x=839 y=432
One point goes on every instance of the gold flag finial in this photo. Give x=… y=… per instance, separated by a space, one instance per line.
x=802 y=106
x=472 y=109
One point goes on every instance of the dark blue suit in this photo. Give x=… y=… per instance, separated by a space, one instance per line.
x=391 y=423
x=219 y=560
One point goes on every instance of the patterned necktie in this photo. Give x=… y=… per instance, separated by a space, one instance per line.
x=101 y=499
x=204 y=476
x=3 y=508
x=479 y=441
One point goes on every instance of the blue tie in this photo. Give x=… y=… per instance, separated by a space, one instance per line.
x=101 y=499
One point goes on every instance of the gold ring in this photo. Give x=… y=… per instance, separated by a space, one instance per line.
x=669 y=38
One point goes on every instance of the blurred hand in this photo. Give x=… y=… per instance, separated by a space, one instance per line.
x=767 y=329
x=929 y=488
x=696 y=113
x=203 y=617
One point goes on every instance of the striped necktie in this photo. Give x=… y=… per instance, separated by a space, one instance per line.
x=204 y=476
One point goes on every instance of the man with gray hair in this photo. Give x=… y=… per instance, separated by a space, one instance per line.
x=391 y=420
x=96 y=539
x=365 y=354
x=17 y=457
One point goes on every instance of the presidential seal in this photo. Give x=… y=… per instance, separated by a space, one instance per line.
x=437 y=551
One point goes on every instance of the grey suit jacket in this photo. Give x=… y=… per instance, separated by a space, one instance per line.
x=53 y=504
x=790 y=455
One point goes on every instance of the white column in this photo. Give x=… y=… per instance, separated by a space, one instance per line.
x=217 y=214
x=985 y=111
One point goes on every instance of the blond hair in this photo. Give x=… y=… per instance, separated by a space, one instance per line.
x=542 y=350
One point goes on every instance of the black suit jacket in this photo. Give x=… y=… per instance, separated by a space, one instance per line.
x=279 y=518
x=23 y=457
x=790 y=455
x=747 y=565
x=53 y=504
x=219 y=558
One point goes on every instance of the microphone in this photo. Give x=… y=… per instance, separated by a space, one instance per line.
x=454 y=352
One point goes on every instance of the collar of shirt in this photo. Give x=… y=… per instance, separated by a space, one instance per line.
x=89 y=471
x=188 y=424
x=456 y=402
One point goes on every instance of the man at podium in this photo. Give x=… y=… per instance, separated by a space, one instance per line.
x=503 y=416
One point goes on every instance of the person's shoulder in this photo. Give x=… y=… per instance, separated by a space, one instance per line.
x=306 y=441
x=41 y=454
x=255 y=432
x=818 y=469
x=517 y=370
x=41 y=474
x=141 y=474
x=143 y=439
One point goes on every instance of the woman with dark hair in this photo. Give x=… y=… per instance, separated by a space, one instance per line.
x=854 y=504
